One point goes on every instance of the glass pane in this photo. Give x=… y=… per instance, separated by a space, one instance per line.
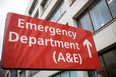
x=110 y=58
x=57 y=15
x=33 y=6
x=65 y=74
x=57 y=12
x=46 y=3
x=100 y=14
x=86 y=23
x=95 y=18
x=73 y=73
x=52 y=19
x=105 y=14
x=57 y=75
x=112 y=5
x=62 y=8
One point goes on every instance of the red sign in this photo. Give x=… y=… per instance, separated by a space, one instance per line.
x=40 y=44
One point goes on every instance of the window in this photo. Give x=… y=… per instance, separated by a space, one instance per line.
x=36 y=14
x=86 y=22
x=108 y=62
x=100 y=14
x=32 y=72
x=33 y=6
x=110 y=58
x=73 y=73
x=112 y=5
x=45 y=4
x=57 y=76
x=97 y=15
x=71 y=2
x=58 y=12
x=67 y=74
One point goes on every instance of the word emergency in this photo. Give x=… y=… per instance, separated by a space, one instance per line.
x=41 y=28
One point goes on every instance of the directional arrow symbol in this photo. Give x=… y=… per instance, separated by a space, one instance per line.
x=88 y=45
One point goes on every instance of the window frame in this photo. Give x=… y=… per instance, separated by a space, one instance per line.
x=45 y=4
x=105 y=69
x=91 y=6
x=36 y=14
x=34 y=4
x=52 y=16
x=71 y=2
x=79 y=23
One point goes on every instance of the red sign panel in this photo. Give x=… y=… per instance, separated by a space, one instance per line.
x=40 y=44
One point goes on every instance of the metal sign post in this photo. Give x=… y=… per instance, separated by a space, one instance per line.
x=13 y=73
x=95 y=72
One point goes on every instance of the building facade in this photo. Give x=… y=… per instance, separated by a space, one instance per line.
x=97 y=16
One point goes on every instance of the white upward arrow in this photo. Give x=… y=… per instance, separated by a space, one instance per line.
x=88 y=44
